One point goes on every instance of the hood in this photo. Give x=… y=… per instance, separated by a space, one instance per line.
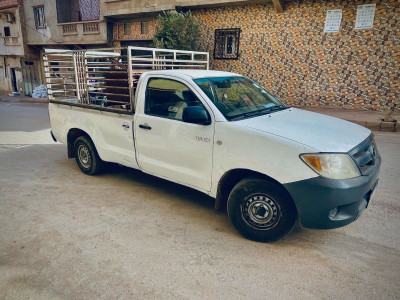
x=321 y=132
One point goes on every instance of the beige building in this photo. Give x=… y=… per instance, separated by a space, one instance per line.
x=12 y=49
x=66 y=23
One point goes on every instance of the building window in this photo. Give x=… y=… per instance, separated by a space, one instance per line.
x=39 y=16
x=226 y=44
x=144 y=27
x=7 y=31
x=127 y=28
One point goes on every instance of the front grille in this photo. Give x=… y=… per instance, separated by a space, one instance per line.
x=365 y=155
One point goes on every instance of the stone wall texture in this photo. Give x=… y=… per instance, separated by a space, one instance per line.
x=290 y=55
x=135 y=34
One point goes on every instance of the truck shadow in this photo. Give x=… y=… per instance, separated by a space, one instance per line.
x=191 y=197
x=176 y=190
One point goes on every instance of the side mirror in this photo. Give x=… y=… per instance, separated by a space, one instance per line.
x=196 y=115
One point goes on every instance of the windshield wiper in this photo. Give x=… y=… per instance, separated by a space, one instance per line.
x=279 y=107
x=259 y=112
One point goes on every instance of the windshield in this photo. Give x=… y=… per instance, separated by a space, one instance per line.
x=239 y=97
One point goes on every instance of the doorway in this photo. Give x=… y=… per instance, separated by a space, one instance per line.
x=30 y=75
x=13 y=80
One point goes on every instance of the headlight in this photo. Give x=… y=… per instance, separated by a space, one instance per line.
x=334 y=166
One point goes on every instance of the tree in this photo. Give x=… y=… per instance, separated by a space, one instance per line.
x=176 y=30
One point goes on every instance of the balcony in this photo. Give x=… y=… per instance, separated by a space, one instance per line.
x=11 y=40
x=81 y=27
x=86 y=32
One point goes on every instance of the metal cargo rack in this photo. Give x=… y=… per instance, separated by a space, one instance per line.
x=107 y=78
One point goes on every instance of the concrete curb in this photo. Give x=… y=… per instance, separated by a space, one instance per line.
x=378 y=126
x=25 y=100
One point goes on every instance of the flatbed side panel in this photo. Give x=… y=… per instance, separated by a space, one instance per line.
x=111 y=133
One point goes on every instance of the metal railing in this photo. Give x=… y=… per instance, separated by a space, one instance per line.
x=106 y=79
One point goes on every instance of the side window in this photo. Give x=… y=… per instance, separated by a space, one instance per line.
x=167 y=98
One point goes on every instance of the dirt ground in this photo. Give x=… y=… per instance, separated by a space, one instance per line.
x=127 y=235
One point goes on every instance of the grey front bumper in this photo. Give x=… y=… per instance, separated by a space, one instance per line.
x=315 y=198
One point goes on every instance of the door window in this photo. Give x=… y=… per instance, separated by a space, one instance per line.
x=167 y=98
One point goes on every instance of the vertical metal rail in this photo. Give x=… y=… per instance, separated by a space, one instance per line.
x=86 y=77
x=130 y=76
x=82 y=81
x=82 y=94
x=78 y=96
x=154 y=60
x=48 y=80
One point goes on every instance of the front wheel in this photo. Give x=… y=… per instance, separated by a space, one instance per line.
x=261 y=210
x=86 y=156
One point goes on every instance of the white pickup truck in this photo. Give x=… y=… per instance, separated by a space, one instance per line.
x=217 y=132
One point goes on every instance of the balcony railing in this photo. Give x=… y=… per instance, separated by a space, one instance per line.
x=81 y=28
x=70 y=29
x=93 y=27
x=11 y=40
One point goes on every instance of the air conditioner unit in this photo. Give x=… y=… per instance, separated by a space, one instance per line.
x=10 y=17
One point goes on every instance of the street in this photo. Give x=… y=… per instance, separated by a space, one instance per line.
x=127 y=235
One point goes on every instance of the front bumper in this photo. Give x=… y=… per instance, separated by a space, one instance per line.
x=315 y=198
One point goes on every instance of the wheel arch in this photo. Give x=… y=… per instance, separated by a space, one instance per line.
x=73 y=134
x=231 y=178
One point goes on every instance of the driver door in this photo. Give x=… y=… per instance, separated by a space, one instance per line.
x=168 y=147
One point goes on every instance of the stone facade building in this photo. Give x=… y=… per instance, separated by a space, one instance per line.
x=290 y=54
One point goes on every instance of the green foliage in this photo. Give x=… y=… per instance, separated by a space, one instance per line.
x=176 y=30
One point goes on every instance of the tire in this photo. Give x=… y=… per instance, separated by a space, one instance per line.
x=261 y=210
x=86 y=156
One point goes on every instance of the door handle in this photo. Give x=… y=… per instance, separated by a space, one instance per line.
x=125 y=125
x=145 y=126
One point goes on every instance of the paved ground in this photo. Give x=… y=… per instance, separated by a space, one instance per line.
x=127 y=235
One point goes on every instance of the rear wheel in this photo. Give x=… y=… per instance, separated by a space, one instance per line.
x=86 y=156
x=261 y=210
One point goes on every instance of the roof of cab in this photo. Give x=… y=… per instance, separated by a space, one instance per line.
x=194 y=74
